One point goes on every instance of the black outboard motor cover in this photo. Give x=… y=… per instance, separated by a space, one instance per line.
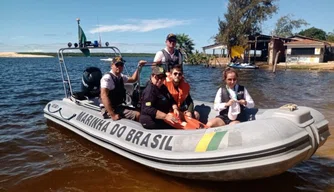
x=90 y=83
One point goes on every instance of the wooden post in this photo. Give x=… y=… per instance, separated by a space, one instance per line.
x=276 y=58
x=249 y=48
x=255 y=45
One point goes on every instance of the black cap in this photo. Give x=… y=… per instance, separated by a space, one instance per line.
x=157 y=70
x=117 y=59
x=171 y=36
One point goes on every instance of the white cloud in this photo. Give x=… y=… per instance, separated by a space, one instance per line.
x=140 y=25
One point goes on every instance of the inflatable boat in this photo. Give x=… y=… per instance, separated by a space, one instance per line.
x=271 y=142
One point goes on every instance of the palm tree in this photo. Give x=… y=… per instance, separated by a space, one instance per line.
x=185 y=44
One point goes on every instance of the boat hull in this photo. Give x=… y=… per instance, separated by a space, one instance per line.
x=274 y=142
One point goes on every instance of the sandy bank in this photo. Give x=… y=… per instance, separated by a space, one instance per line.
x=14 y=54
x=308 y=66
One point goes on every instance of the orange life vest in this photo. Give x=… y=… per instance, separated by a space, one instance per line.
x=181 y=93
x=189 y=123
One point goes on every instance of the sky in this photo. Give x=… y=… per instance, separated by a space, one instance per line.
x=131 y=25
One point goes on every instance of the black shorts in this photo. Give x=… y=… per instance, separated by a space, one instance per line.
x=241 y=117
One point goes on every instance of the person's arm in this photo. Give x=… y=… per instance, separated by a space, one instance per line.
x=249 y=100
x=218 y=105
x=175 y=108
x=107 y=84
x=148 y=99
x=135 y=75
x=158 y=57
x=107 y=104
x=189 y=101
x=160 y=115
x=190 y=104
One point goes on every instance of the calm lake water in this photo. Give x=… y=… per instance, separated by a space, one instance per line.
x=37 y=155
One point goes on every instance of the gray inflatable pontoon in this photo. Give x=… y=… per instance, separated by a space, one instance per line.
x=271 y=142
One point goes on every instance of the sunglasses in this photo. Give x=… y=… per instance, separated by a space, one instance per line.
x=157 y=77
x=172 y=40
x=119 y=64
x=177 y=74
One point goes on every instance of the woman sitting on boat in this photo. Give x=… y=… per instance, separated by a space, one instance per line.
x=231 y=100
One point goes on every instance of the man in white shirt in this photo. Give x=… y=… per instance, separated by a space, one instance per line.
x=113 y=93
x=169 y=55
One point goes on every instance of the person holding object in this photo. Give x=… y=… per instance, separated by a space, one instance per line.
x=180 y=91
x=231 y=100
x=113 y=93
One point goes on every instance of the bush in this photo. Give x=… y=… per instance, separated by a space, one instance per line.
x=199 y=58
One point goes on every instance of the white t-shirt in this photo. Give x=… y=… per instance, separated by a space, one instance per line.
x=107 y=82
x=159 y=56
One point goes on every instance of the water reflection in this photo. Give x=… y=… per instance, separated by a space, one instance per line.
x=79 y=165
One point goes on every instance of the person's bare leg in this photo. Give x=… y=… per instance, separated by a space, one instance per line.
x=137 y=114
x=216 y=122
x=196 y=115
x=234 y=122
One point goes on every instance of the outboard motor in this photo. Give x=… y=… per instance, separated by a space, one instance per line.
x=90 y=83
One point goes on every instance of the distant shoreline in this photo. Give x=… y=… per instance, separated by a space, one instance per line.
x=15 y=54
x=45 y=54
x=308 y=66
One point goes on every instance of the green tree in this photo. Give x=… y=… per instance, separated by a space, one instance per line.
x=243 y=18
x=185 y=44
x=199 y=58
x=194 y=59
x=314 y=33
x=330 y=36
x=285 y=26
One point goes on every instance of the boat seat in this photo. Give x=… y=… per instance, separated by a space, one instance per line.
x=83 y=95
x=79 y=96
x=204 y=112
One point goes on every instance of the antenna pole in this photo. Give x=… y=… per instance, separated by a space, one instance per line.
x=100 y=41
x=78 y=20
